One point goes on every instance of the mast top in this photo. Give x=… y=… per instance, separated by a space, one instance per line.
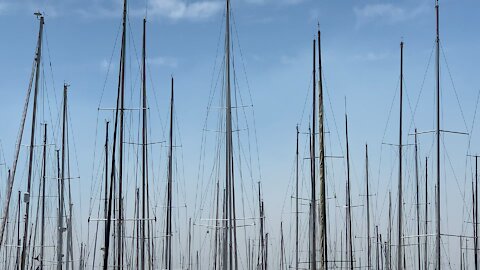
x=38 y=14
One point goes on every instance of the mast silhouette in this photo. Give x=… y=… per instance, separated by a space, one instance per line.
x=32 y=145
x=296 y=205
x=120 y=154
x=118 y=118
x=11 y=176
x=400 y=184
x=229 y=250
x=321 y=138
x=62 y=179
x=437 y=210
x=168 y=236
x=44 y=178
x=418 y=201
x=426 y=215
x=369 y=248
x=145 y=223
x=348 y=205
x=313 y=205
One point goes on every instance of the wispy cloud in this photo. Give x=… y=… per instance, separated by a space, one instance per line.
x=373 y=56
x=163 y=61
x=181 y=9
x=106 y=65
x=3 y=7
x=30 y=6
x=105 y=9
x=387 y=13
x=281 y=2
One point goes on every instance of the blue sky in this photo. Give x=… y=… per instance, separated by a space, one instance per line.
x=360 y=43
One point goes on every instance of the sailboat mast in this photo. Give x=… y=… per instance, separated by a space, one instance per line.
x=348 y=208
x=296 y=205
x=418 y=200
x=69 y=259
x=437 y=210
x=61 y=209
x=120 y=154
x=389 y=231
x=144 y=145
x=106 y=170
x=378 y=248
x=426 y=215
x=44 y=178
x=475 y=215
x=313 y=210
x=400 y=185
x=118 y=114
x=32 y=145
x=321 y=138
x=217 y=225
x=230 y=246
x=168 y=237
x=369 y=251
x=262 y=246
x=19 y=240
x=282 y=248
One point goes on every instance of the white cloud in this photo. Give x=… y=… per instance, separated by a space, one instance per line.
x=373 y=56
x=257 y=2
x=106 y=66
x=3 y=7
x=389 y=13
x=163 y=61
x=281 y=2
x=180 y=9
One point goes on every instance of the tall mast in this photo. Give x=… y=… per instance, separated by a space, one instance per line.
x=11 y=175
x=282 y=248
x=418 y=200
x=313 y=210
x=389 y=230
x=106 y=169
x=473 y=225
x=69 y=260
x=105 y=207
x=189 y=260
x=475 y=213
x=230 y=241
x=296 y=206
x=144 y=145
x=262 y=245
x=348 y=208
x=61 y=209
x=378 y=248
x=44 y=178
x=118 y=114
x=437 y=210
x=32 y=145
x=266 y=249
x=217 y=225
x=168 y=236
x=19 y=240
x=400 y=185
x=120 y=154
x=426 y=215
x=321 y=138
x=369 y=251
